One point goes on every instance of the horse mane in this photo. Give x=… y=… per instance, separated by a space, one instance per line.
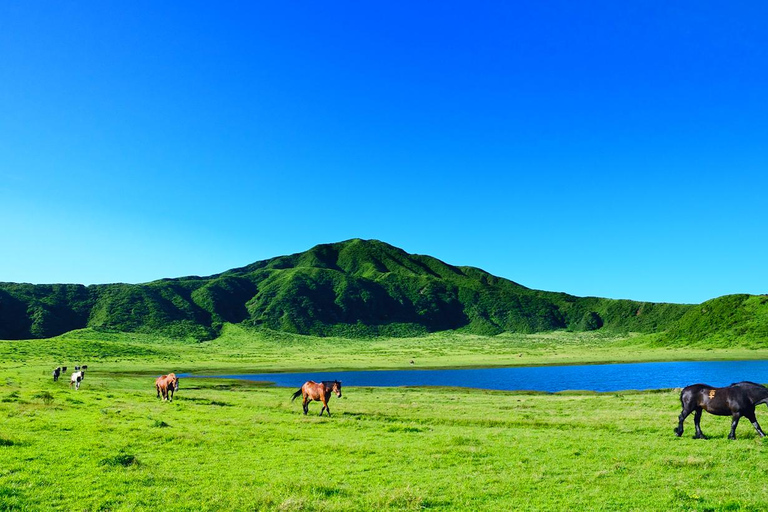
x=747 y=382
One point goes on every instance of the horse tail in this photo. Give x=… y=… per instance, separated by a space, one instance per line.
x=296 y=395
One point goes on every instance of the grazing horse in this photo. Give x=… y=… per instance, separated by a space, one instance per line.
x=736 y=400
x=56 y=374
x=167 y=384
x=76 y=379
x=318 y=391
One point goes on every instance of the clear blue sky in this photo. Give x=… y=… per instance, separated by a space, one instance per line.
x=616 y=149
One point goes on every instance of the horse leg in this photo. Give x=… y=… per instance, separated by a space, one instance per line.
x=305 y=404
x=697 y=424
x=158 y=390
x=325 y=405
x=751 y=417
x=683 y=414
x=734 y=424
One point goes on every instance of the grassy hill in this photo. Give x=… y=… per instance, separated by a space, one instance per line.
x=354 y=288
x=721 y=321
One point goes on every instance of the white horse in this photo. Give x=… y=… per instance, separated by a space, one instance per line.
x=76 y=379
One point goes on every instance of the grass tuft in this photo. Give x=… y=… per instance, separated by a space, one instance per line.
x=121 y=459
x=11 y=397
x=45 y=396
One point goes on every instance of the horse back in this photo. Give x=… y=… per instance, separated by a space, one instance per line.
x=692 y=392
x=718 y=401
x=162 y=382
x=313 y=390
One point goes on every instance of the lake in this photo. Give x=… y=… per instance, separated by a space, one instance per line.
x=598 y=377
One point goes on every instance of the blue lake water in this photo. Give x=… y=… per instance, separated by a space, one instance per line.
x=601 y=377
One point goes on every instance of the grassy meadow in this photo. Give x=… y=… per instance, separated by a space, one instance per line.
x=241 y=348
x=232 y=445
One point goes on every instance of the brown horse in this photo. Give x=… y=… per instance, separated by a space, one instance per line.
x=736 y=400
x=167 y=384
x=318 y=391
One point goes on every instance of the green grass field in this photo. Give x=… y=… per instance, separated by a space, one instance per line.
x=231 y=445
x=243 y=349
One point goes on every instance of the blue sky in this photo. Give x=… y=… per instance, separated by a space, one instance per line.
x=598 y=148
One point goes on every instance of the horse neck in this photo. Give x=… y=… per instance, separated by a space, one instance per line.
x=757 y=393
x=762 y=396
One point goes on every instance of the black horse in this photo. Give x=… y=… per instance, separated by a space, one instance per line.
x=737 y=400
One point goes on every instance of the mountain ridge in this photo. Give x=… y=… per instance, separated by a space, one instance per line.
x=351 y=288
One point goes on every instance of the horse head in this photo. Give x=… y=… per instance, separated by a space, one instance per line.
x=337 y=388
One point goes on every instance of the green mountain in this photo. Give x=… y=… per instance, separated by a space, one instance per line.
x=352 y=288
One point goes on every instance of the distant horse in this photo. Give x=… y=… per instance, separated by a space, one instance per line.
x=76 y=379
x=736 y=400
x=167 y=384
x=318 y=391
x=56 y=374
